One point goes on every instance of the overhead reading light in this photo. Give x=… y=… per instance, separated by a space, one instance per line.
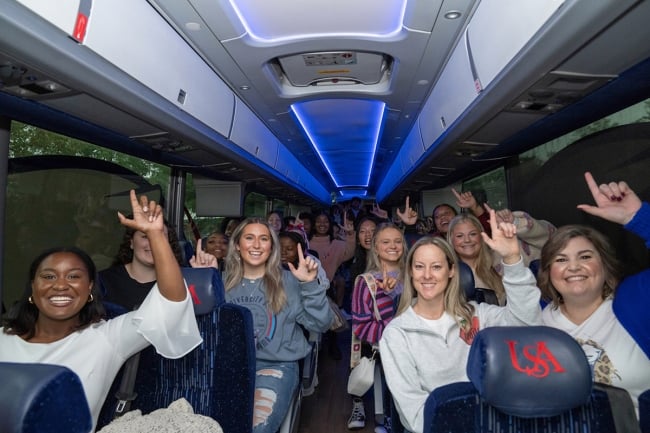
x=452 y=15
x=344 y=133
x=275 y=21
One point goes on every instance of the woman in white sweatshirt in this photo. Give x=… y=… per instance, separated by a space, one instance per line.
x=427 y=344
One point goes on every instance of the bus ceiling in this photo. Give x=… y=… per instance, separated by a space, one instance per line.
x=320 y=104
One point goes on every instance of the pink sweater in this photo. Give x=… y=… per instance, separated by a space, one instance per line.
x=332 y=254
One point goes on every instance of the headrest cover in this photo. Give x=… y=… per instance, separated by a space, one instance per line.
x=206 y=289
x=466 y=279
x=529 y=371
x=38 y=398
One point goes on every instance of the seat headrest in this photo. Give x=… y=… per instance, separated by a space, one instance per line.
x=529 y=371
x=206 y=289
x=466 y=280
x=42 y=398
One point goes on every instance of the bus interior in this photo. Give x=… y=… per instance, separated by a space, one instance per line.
x=297 y=105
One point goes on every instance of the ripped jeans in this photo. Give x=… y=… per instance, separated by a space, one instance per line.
x=275 y=383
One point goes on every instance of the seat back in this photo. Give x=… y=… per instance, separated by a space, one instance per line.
x=468 y=286
x=218 y=377
x=466 y=280
x=524 y=379
x=42 y=398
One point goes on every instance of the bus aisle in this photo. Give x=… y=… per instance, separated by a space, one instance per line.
x=327 y=410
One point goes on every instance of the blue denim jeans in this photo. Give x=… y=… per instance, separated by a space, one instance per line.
x=275 y=383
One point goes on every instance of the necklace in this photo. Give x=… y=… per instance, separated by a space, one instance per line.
x=253 y=282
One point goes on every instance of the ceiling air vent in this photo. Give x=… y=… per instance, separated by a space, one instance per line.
x=557 y=90
x=334 y=68
x=163 y=141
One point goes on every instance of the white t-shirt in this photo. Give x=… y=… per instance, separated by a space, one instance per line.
x=97 y=352
x=614 y=356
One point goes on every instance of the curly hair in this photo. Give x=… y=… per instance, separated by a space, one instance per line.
x=21 y=318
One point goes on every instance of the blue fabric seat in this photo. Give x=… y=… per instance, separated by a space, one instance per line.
x=42 y=398
x=523 y=379
x=218 y=377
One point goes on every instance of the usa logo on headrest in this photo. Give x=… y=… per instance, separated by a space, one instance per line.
x=542 y=360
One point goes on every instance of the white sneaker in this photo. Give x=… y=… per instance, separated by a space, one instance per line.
x=357 y=420
x=380 y=429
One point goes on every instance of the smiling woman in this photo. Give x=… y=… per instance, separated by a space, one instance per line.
x=59 y=318
x=440 y=324
x=281 y=302
x=580 y=276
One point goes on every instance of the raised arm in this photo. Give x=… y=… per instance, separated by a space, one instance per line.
x=148 y=218
x=203 y=259
x=503 y=240
x=409 y=216
x=466 y=200
x=615 y=201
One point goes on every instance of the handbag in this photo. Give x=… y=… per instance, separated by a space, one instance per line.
x=339 y=323
x=362 y=375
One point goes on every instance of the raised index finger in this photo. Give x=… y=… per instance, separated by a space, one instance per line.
x=593 y=186
x=301 y=256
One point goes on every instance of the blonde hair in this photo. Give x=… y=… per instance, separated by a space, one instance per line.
x=373 y=263
x=276 y=298
x=484 y=262
x=455 y=302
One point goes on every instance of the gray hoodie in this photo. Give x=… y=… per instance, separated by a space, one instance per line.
x=278 y=336
x=420 y=355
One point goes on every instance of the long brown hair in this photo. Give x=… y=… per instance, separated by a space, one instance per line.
x=275 y=295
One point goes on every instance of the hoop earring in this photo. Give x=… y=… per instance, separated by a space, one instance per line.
x=30 y=300
x=91 y=298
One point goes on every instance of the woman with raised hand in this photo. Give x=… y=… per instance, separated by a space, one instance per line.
x=59 y=320
x=427 y=344
x=280 y=301
x=386 y=260
x=579 y=275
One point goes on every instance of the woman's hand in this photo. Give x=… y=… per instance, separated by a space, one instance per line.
x=504 y=239
x=505 y=215
x=348 y=225
x=203 y=259
x=387 y=283
x=147 y=215
x=615 y=201
x=409 y=216
x=307 y=269
x=379 y=212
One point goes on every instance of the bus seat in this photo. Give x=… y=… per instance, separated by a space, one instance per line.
x=534 y=266
x=218 y=377
x=466 y=280
x=306 y=386
x=644 y=411
x=528 y=379
x=468 y=285
x=187 y=250
x=309 y=368
x=42 y=398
